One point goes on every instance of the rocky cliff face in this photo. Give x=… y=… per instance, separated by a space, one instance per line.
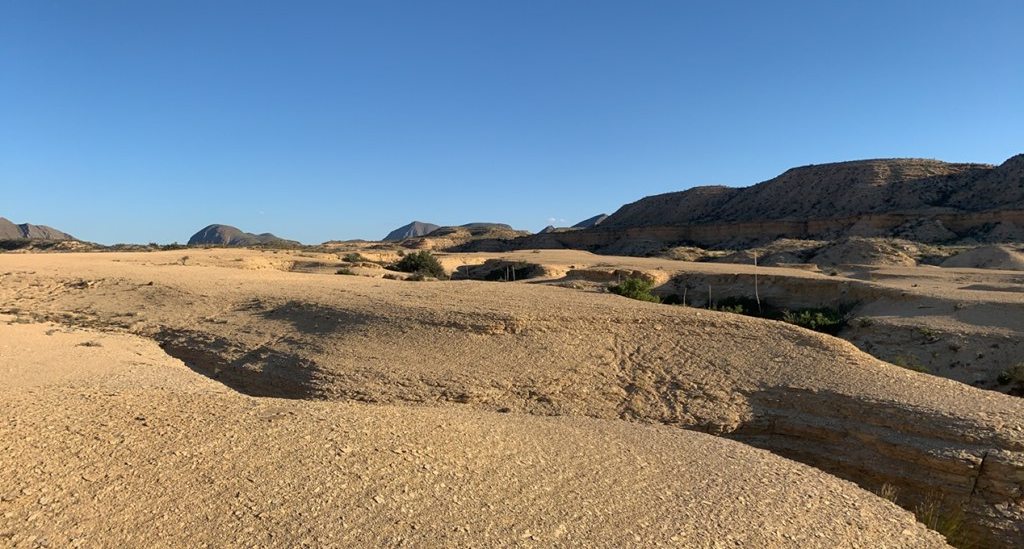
x=11 y=231
x=924 y=462
x=225 y=235
x=922 y=200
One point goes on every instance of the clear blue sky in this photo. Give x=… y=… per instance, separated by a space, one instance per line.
x=139 y=121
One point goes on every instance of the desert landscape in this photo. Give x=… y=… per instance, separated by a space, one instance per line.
x=446 y=274
x=255 y=397
x=849 y=380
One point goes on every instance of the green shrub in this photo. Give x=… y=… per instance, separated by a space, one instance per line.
x=345 y=271
x=636 y=288
x=741 y=306
x=422 y=263
x=354 y=257
x=827 y=321
x=1013 y=375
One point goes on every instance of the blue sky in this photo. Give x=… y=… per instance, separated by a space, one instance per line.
x=128 y=121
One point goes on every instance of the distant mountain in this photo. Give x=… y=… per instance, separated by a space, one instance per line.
x=914 y=199
x=417 y=229
x=485 y=226
x=471 y=237
x=412 y=230
x=591 y=222
x=226 y=235
x=10 y=231
x=842 y=190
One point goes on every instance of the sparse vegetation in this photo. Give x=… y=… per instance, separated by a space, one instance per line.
x=345 y=271
x=421 y=263
x=354 y=257
x=888 y=492
x=948 y=523
x=1014 y=377
x=824 y=320
x=910 y=363
x=635 y=288
x=740 y=306
x=515 y=271
x=930 y=512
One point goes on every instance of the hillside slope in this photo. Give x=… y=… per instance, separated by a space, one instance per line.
x=412 y=230
x=919 y=200
x=12 y=231
x=226 y=235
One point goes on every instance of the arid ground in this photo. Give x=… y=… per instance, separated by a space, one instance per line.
x=243 y=398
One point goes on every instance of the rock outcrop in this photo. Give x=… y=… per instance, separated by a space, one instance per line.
x=226 y=235
x=1010 y=258
x=412 y=230
x=471 y=237
x=27 y=231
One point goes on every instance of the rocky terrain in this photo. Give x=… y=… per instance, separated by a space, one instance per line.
x=11 y=231
x=469 y=237
x=226 y=235
x=925 y=201
x=110 y=442
x=387 y=367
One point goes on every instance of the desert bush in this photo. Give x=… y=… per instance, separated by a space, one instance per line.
x=422 y=263
x=828 y=321
x=1013 y=375
x=743 y=306
x=736 y=309
x=354 y=257
x=345 y=271
x=635 y=288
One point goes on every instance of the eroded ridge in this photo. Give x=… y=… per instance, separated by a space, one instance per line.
x=548 y=351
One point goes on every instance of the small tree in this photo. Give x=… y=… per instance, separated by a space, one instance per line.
x=636 y=288
x=422 y=263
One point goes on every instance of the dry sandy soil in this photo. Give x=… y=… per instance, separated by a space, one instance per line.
x=226 y=398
